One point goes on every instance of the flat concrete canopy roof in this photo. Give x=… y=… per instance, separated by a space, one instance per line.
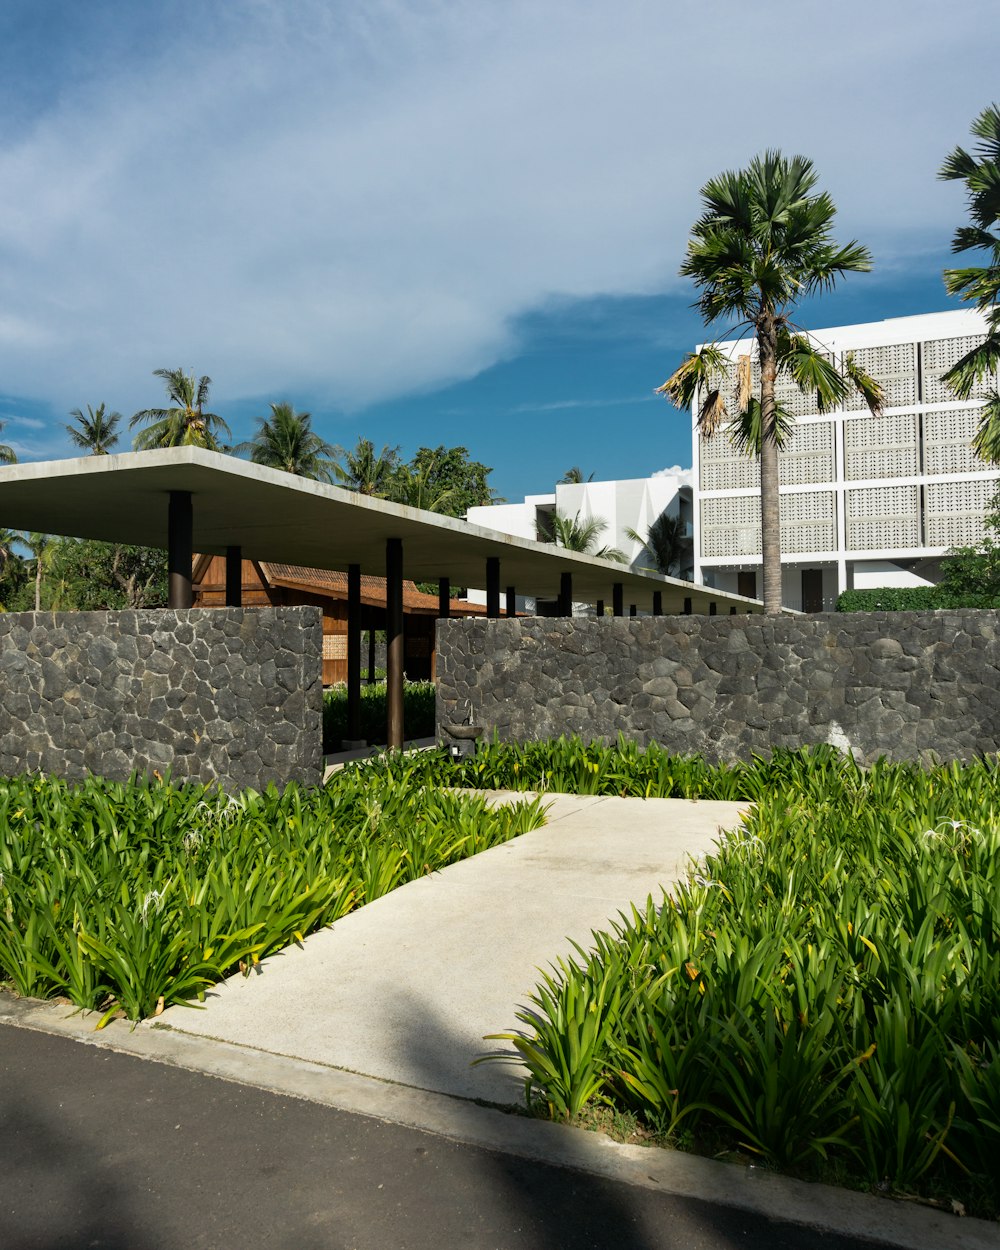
x=279 y=517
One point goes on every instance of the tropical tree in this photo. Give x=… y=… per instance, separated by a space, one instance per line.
x=95 y=432
x=664 y=542
x=979 y=284
x=574 y=477
x=577 y=535
x=185 y=423
x=366 y=471
x=41 y=549
x=286 y=440
x=449 y=469
x=763 y=242
x=417 y=486
x=7 y=455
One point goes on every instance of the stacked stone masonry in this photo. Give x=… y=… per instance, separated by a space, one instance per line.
x=231 y=695
x=907 y=685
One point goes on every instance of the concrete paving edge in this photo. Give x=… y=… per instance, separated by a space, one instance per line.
x=889 y=1222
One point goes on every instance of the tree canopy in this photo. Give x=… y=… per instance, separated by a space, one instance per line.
x=185 y=423
x=94 y=432
x=287 y=441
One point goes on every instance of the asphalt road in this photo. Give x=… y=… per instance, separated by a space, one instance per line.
x=101 y=1149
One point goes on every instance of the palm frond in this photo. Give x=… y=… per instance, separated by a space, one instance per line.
x=986 y=442
x=872 y=392
x=981 y=362
x=746 y=431
x=694 y=372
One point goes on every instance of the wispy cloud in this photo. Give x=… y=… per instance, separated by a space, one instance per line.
x=557 y=405
x=357 y=200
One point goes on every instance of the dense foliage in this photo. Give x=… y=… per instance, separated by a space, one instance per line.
x=823 y=993
x=83 y=574
x=418 y=713
x=124 y=898
x=892 y=599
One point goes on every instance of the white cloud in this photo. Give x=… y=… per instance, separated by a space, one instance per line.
x=356 y=200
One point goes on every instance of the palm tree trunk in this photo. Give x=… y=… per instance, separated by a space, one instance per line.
x=38 y=583
x=770 y=523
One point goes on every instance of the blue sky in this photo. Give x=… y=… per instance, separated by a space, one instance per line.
x=427 y=222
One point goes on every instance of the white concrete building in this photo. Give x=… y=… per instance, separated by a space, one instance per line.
x=623 y=505
x=865 y=501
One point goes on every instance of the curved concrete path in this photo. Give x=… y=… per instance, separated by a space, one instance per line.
x=406 y=988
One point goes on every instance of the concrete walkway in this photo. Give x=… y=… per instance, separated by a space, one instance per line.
x=406 y=988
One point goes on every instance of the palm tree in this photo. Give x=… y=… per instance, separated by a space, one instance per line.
x=979 y=285
x=364 y=471
x=95 y=432
x=574 y=477
x=7 y=454
x=415 y=485
x=762 y=243
x=185 y=423
x=581 y=536
x=287 y=441
x=664 y=542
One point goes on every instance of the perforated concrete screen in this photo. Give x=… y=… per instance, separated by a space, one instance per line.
x=895 y=367
x=808 y=455
x=948 y=436
x=731 y=526
x=938 y=356
x=880 y=518
x=955 y=511
x=808 y=522
x=881 y=447
x=722 y=467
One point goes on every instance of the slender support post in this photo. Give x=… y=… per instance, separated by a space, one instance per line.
x=713 y=607
x=234 y=577
x=371 y=656
x=687 y=607
x=631 y=609
x=354 y=652
x=394 y=642
x=599 y=609
x=657 y=602
x=732 y=611
x=617 y=599
x=492 y=586
x=511 y=605
x=444 y=598
x=565 y=594
x=180 y=549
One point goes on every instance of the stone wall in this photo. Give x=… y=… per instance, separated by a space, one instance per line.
x=902 y=684
x=226 y=694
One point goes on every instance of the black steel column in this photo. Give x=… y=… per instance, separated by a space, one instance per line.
x=492 y=586
x=712 y=608
x=657 y=602
x=631 y=609
x=354 y=652
x=617 y=599
x=511 y=602
x=732 y=611
x=687 y=607
x=180 y=549
x=565 y=594
x=234 y=577
x=444 y=598
x=394 y=642
x=599 y=608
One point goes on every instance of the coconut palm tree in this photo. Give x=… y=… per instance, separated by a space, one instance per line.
x=96 y=432
x=979 y=285
x=286 y=440
x=663 y=544
x=7 y=455
x=185 y=423
x=574 y=477
x=416 y=486
x=763 y=242
x=365 y=471
x=582 y=536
